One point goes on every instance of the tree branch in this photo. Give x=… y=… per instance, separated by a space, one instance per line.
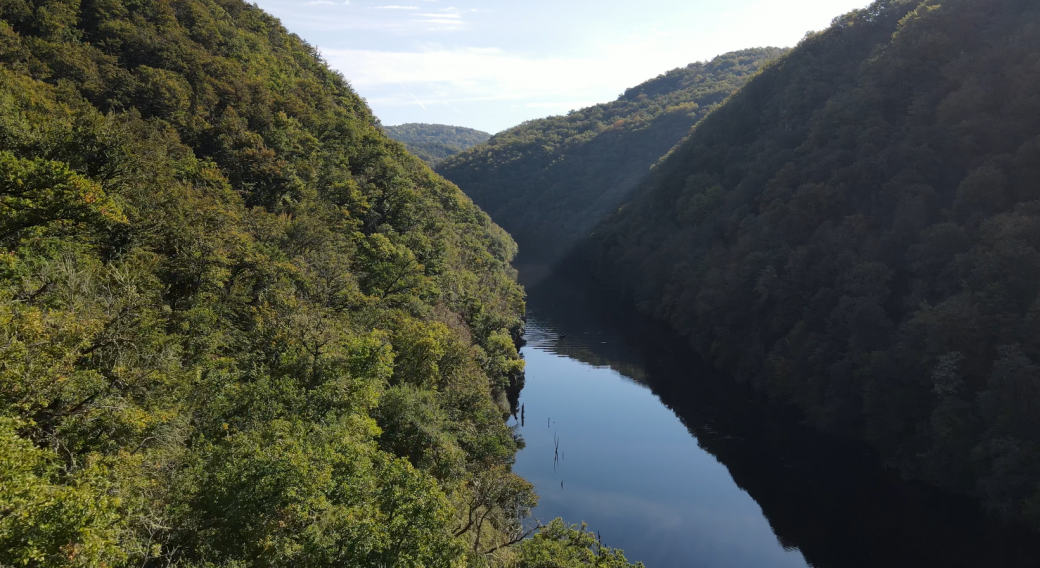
x=517 y=539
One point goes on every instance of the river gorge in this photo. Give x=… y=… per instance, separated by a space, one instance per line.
x=679 y=466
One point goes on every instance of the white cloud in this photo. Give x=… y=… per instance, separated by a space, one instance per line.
x=565 y=105
x=555 y=83
x=499 y=64
x=483 y=74
x=448 y=19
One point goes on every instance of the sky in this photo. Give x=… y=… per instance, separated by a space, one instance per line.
x=492 y=64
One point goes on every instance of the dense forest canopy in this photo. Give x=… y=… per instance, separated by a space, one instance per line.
x=435 y=142
x=241 y=326
x=858 y=231
x=550 y=181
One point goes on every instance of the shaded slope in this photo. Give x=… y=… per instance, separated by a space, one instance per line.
x=549 y=181
x=857 y=231
x=827 y=496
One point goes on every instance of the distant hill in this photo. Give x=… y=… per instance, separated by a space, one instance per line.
x=858 y=231
x=434 y=142
x=549 y=181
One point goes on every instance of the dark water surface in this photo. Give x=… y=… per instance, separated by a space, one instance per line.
x=679 y=466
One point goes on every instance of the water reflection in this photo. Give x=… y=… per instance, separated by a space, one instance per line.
x=750 y=488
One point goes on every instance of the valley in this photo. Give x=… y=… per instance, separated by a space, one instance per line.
x=776 y=307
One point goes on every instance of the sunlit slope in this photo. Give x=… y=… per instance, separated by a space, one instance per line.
x=857 y=231
x=239 y=326
x=549 y=181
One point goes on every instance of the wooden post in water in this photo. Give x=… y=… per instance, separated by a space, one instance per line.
x=556 y=458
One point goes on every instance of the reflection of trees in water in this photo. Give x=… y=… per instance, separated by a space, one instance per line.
x=826 y=496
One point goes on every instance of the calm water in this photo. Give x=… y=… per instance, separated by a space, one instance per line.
x=678 y=466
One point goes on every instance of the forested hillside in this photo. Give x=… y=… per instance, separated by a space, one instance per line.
x=550 y=181
x=435 y=142
x=240 y=326
x=858 y=231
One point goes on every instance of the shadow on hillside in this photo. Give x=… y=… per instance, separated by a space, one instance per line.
x=827 y=496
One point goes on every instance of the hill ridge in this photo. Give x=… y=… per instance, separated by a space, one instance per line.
x=549 y=181
x=435 y=142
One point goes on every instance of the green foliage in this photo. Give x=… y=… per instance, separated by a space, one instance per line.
x=549 y=181
x=239 y=326
x=40 y=194
x=499 y=360
x=50 y=519
x=856 y=231
x=435 y=142
x=562 y=546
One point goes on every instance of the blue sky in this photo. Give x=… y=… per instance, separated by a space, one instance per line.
x=491 y=64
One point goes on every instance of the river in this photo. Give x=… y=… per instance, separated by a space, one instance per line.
x=679 y=466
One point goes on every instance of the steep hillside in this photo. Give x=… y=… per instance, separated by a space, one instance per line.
x=435 y=142
x=549 y=181
x=238 y=325
x=858 y=230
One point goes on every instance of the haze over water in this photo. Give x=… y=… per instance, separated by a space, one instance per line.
x=680 y=467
